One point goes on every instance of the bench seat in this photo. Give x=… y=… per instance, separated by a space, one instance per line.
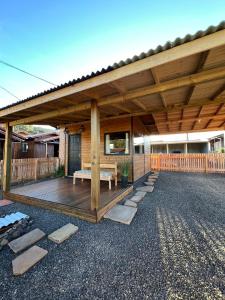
x=104 y=175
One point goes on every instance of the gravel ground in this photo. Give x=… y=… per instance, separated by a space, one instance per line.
x=174 y=249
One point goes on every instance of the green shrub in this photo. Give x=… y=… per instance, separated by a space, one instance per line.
x=60 y=172
x=124 y=167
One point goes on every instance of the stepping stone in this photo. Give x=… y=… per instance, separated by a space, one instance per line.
x=130 y=203
x=149 y=183
x=121 y=213
x=140 y=194
x=5 y=202
x=136 y=198
x=147 y=189
x=26 y=240
x=63 y=233
x=27 y=260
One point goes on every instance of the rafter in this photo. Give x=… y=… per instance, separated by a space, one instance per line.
x=200 y=65
x=157 y=81
x=188 y=80
x=119 y=87
x=155 y=123
x=139 y=104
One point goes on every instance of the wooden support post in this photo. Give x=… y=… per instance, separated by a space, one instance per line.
x=7 y=158
x=95 y=156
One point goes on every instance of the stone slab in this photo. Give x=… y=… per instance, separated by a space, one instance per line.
x=130 y=203
x=140 y=194
x=28 y=259
x=121 y=213
x=26 y=240
x=148 y=189
x=5 y=202
x=63 y=233
x=151 y=180
x=136 y=198
x=149 y=183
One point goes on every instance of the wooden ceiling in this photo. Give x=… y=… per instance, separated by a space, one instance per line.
x=185 y=93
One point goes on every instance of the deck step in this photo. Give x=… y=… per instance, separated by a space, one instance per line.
x=63 y=233
x=121 y=213
x=28 y=259
x=26 y=240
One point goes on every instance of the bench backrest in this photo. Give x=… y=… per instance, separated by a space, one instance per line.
x=105 y=166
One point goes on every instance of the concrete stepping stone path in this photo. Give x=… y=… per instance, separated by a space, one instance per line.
x=130 y=203
x=149 y=183
x=148 y=189
x=63 y=233
x=27 y=260
x=136 y=198
x=121 y=213
x=26 y=240
x=140 y=194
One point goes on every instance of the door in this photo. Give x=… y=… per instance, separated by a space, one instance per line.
x=74 y=155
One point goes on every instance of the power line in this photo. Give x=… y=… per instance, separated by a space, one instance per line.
x=4 y=89
x=23 y=71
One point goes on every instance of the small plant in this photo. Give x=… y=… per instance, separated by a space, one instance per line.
x=60 y=172
x=124 y=167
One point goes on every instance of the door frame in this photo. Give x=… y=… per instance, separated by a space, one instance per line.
x=68 y=150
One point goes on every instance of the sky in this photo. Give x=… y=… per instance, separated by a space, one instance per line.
x=61 y=40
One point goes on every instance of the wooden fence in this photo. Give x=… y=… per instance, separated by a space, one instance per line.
x=207 y=163
x=31 y=168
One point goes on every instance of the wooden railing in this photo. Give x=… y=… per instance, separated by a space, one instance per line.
x=31 y=168
x=208 y=163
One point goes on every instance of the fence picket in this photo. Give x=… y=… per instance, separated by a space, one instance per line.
x=31 y=168
x=208 y=163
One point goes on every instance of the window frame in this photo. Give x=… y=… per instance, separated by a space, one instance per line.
x=111 y=154
x=22 y=147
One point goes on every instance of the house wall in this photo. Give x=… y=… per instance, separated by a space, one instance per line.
x=35 y=150
x=139 y=162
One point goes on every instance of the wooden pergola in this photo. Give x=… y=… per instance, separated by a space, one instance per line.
x=176 y=88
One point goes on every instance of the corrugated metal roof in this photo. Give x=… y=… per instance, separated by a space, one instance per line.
x=11 y=219
x=168 y=45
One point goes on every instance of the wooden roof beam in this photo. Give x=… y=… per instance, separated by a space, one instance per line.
x=52 y=114
x=184 y=81
x=195 y=130
x=157 y=81
x=139 y=104
x=200 y=65
x=211 y=117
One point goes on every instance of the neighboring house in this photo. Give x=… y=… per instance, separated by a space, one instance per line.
x=37 y=145
x=217 y=142
x=180 y=147
x=17 y=140
x=207 y=145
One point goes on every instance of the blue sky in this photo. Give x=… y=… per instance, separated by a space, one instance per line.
x=61 y=40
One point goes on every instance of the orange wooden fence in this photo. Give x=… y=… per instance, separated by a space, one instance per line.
x=208 y=163
x=32 y=168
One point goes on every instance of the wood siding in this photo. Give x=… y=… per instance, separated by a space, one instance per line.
x=139 y=162
x=35 y=150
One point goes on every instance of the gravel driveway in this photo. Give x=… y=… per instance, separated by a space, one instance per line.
x=174 y=249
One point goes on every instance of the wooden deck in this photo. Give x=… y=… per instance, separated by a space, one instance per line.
x=61 y=195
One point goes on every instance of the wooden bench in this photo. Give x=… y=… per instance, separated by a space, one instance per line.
x=109 y=174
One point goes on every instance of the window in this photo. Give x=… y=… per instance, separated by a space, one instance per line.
x=117 y=143
x=139 y=145
x=24 y=147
